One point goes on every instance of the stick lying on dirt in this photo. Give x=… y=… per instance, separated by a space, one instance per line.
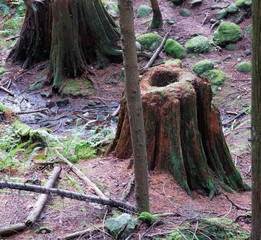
x=30 y=111
x=155 y=55
x=67 y=194
x=37 y=209
x=86 y=233
x=237 y=116
x=6 y=90
x=82 y=176
x=39 y=205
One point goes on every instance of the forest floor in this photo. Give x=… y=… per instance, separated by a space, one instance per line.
x=110 y=174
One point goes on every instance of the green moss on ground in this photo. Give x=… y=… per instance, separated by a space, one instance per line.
x=202 y=66
x=9 y=28
x=199 y=44
x=147 y=218
x=175 y=49
x=226 y=33
x=210 y=228
x=78 y=87
x=216 y=78
x=176 y=62
x=143 y=10
x=2 y=108
x=244 y=67
x=149 y=41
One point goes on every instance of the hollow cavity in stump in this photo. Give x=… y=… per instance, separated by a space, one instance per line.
x=183 y=131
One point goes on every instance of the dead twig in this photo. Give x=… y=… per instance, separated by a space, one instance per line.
x=82 y=176
x=67 y=194
x=128 y=189
x=37 y=209
x=85 y=233
x=205 y=19
x=236 y=117
x=39 y=205
x=235 y=205
x=156 y=54
x=7 y=91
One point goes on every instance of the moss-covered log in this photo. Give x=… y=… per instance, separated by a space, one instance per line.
x=71 y=33
x=183 y=131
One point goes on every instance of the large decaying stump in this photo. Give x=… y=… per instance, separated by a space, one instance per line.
x=183 y=131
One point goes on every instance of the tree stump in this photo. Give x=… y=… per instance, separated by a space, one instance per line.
x=183 y=131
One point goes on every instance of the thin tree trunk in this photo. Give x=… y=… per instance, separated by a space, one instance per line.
x=134 y=105
x=157 y=17
x=256 y=125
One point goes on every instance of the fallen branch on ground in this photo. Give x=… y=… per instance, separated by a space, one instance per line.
x=82 y=176
x=39 y=205
x=237 y=116
x=6 y=90
x=155 y=55
x=37 y=209
x=67 y=194
x=85 y=233
x=235 y=205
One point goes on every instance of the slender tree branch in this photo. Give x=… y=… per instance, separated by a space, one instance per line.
x=67 y=194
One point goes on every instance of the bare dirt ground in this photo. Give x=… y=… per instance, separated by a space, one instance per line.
x=65 y=216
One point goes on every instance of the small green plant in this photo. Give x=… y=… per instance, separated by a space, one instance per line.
x=147 y=218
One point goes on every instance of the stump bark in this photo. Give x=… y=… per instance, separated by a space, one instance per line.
x=183 y=131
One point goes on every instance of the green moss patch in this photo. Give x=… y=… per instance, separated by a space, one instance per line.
x=9 y=28
x=147 y=218
x=199 y=44
x=202 y=66
x=184 y=12
x=210 y=228
x=226 y=33
x=175 y=49
x=244 y=67
x=2 y=108
x=216 y=78
x=143 y=11
x=176 y=62
x=149 y=41
x=78 y=87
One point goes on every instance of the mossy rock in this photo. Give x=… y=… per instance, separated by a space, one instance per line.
x=112 y=9
x=226 y=33
x=147 y=218
x=202 y=66
x=216 y=78
x=9 y=28
x=221 y=14
x=174 y=49
x=232 y=8
x=244 y=67
x=78 y=87
x=176 y=62
x=231 y=46
x=120 y=227
x=195 y=3
x=178 y=2
x=149 y=41
x=143 y=11
x=243 y=3
x=184 y=12
x=199 y=44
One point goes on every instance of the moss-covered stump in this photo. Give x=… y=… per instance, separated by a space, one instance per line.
x=183 y=131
